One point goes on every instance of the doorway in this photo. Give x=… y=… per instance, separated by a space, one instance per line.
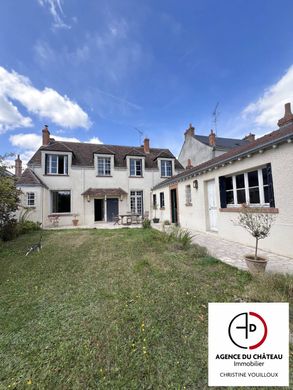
x=174 y=207
x=112 y=209
x=99 y=210
x=212 y=205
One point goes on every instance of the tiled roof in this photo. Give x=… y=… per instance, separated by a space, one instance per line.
x=83 y=153
x=29 y=178
x=222 y=143
x=104 y=192
x=277 y=136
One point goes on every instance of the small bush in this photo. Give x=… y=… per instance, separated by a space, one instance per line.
x=146 y=223
x=181 y=236
x=9 y=231
x=28 y=226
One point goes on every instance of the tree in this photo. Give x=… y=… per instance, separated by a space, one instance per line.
x=257 y=223
x=9 y=196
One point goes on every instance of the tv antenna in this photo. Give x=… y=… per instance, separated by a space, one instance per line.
x=140 y=134
x=216 y=114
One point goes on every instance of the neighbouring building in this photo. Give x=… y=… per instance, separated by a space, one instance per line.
x=90 y=182
x=259 y=173
x=200 y=148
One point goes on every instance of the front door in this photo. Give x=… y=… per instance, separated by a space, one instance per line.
x=112 y=209
x=212 y=205
x=99 y=210
x=174 y=211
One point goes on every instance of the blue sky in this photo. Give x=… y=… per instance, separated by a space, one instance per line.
x=96 y=70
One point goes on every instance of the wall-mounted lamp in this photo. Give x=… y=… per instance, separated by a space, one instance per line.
x=88 y=198
x=195 y=184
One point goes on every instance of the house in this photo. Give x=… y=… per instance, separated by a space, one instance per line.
x=90 y=182
x=208 y=197
x=200 y=148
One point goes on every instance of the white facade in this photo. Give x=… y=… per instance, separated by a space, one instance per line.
x=204 y=213
x=78 y=179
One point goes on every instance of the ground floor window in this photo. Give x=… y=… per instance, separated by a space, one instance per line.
x=61 y=201
x=136 y=202
x=188 y=200
x=253 y=187
x=30 y=199
x=162 y=200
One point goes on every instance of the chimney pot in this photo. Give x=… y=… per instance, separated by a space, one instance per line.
x=18 y=166
x=212 y=138
x=288 y=117
x=146 y=145
x=189 y=164
x=46 y=135
x=189 y=132
x=249 y=137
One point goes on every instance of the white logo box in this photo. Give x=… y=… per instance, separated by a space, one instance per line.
x=248 y=344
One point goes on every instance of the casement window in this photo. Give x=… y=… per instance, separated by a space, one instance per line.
x=61 y=201
x=162 y=200
x=56 y=164
x=253 y=188
x=104 y=166
x=154 y=200
x=30 y=199
x=136 y=202
x=135 y=167
x=166 y=168
x=188 y=200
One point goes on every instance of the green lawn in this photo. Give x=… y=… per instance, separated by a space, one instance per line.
x=113 y=309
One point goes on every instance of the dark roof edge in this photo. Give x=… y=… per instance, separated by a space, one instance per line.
x=212 y=164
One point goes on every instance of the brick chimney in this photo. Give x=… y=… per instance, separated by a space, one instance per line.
x=146 y=145
x=46 y=135
x=189 y=132
x=189 y=164
x=249 y=137
x=212 y=138
x=288 y=117
x=18 y=167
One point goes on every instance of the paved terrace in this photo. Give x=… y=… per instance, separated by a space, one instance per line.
x=233 y=253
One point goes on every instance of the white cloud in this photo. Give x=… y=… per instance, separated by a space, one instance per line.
x=46 y=103
x=94 y=140
x=10 y=117
x=269 y=108
x=56 y=10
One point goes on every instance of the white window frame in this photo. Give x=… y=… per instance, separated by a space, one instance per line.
x=28 y=200
x=246 y=188
x=49 y=169
x=188 y=195
x=136 y=196
x=135 y=160
x=162 y=200
x=104 y=158
x=164 y=168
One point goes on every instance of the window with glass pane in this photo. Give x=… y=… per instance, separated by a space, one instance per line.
x=166 y=168
x=188 y=194
x=136 y=202
x=104 y=166
x=162 y=200
x=56 y=164
x=135 y=167
x=240 y=186
x=30 y=199
x=61 y=201
x=253 y=187
x=154 y=199
x=229 y=190
x=265 y=185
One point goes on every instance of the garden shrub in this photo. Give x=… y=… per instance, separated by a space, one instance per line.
x=9 y=231
x=146 y=223
x=28 y=226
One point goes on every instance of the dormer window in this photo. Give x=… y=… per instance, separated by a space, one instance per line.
x=104 y=166
x=135 y=167
x=166 y=168
x=56 y=164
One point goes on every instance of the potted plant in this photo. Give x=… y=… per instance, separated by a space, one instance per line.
x=155 y=219
x=258 y=224
x=75 y=220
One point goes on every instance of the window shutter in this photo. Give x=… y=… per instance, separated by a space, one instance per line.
x=222 y=184
x=270 y=184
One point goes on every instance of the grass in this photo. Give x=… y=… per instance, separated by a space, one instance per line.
x=113 y=309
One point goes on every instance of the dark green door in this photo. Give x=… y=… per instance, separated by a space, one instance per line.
x=174 y=216
x=112 y=209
